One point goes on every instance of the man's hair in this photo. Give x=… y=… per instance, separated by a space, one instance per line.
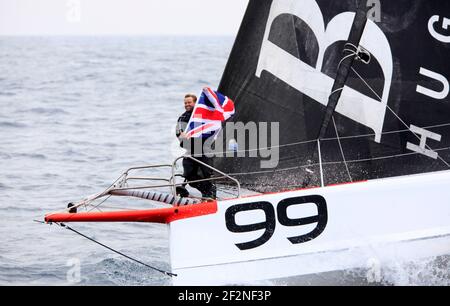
x=191 y=96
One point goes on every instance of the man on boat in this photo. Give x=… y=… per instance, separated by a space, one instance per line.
x=194 y=146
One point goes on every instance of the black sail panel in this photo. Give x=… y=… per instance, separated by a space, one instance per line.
x=393 y=116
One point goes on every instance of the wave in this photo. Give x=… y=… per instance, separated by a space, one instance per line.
x=31 y=155
x=7 y=94
x=4 y=155
x=125 y=272
x=9 y=124
x=46 y=110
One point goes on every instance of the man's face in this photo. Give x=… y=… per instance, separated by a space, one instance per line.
x=189 y=104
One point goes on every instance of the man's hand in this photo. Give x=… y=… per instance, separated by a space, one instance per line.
x=183 y=135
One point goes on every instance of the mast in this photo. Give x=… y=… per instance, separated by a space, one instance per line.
x=350 y=52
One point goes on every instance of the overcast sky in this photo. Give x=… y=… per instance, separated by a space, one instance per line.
x=121 y=17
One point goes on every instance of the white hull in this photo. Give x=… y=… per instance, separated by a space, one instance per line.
x=368 y=224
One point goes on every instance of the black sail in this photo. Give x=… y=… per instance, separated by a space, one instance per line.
x=393 y=114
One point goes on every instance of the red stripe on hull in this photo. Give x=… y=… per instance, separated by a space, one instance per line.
x=160 y=215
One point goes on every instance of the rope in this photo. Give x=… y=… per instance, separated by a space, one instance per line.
x=258 y=149
x=346 y=57
x=326 y=139
x=97 y=206
x=117 y=252
x=332 y=163
x=342 y=151
x=336 y=90
x=386 y=157
x=386 y=133
x=351 y=45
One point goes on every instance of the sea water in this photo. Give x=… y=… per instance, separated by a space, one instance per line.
x=74 y=113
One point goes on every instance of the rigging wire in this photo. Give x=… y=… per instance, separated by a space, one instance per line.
x=398 y=117
x=332 y=163
x=387 y=133
x=97 y=205
x=326 y=139
x=117 y=252
x=342 y=151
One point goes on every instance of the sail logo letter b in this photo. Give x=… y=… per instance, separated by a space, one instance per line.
x=311 y=81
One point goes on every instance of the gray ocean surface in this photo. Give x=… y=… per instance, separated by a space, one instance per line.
x=75 y=112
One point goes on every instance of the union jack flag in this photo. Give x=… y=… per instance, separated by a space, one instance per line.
x=211 y=109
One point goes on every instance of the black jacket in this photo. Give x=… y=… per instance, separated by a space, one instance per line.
x=182 y=122
x=194 y=145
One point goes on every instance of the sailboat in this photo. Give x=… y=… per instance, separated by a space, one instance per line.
x=361 y=95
